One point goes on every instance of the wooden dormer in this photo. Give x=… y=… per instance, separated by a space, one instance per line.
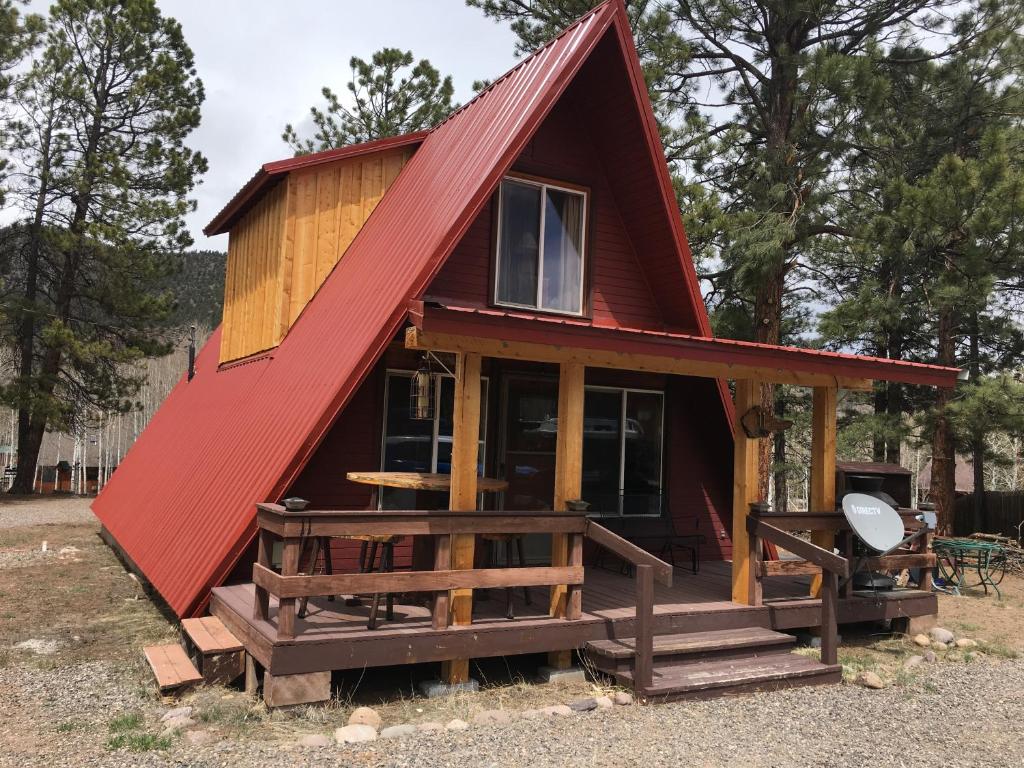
x=291 y=226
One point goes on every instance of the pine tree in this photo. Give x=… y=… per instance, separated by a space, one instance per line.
x=386 y=102
x=109 y=196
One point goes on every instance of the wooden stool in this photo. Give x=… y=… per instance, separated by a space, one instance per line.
x=508 y=539
x=386 y=563
x=319 y=544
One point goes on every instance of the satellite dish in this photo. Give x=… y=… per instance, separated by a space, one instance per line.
x=875 y=522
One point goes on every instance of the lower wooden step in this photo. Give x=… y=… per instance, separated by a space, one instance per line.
x=219 y=655
x=731 y=676
x=613 y=656
x=172 y=667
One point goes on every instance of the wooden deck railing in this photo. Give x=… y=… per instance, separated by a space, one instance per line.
x=295 y=528
x=764 y=525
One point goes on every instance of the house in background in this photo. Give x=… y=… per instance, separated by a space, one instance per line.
x=444 y=343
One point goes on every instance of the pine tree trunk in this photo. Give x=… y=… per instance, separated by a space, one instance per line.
x=978 y=441
x=943 y=480
x=768 y=330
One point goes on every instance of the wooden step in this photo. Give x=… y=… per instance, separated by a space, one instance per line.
x=613 y=656
x=171 y=666
x=209 y=635
x=720 y=677
x=219 y=655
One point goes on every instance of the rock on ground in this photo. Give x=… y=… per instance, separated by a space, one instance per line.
x=941 y=635
x=456 y=725
x=869 y=679
x=315 y=740
x=365 y=716
x=965 y=642
x=355 y=734
x=922 y=640
x=622 y=698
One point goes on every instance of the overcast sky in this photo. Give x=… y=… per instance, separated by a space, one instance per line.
x=263 y=63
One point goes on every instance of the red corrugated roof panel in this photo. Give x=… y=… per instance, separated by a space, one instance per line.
x=181 y=504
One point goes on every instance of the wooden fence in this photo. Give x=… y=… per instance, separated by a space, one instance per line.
x=1003 y=513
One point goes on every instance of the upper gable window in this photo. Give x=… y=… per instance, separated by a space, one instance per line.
x=540 y=246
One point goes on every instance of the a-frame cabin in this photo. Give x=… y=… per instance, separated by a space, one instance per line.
x=485 y=344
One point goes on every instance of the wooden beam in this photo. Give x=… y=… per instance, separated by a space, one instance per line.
x=568 y=482
x=789 y=568
x=823 y=467
x=824 y=558
x=463 y=493
x=595 y=358
x=744 y=492
x=413 y=581
x=629 y=551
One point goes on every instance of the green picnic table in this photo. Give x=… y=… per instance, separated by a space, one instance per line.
x=965 y=563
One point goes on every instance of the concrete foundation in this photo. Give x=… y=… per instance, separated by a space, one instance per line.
x=433 y=689
x=569 y=675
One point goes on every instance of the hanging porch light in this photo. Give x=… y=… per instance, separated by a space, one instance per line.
x=421 y=392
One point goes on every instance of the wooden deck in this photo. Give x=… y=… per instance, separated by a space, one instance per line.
x=334 y=636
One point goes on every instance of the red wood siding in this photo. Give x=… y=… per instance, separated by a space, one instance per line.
x=562 y=151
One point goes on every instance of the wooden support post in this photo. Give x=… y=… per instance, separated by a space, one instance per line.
x=463 y=494
x=264 y=550
x=286 y=605
x=744 y=491
x=823 y=467
x=252 y=682
x=644 y=649
x=574 y=604
x=442 y=562
x=755 y=556
x=829 y=617
x=568 y=483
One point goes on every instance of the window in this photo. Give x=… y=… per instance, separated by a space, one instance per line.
x=540 y=247
x=421 y=445
x=622 y=451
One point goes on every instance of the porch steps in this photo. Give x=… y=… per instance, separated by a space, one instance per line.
x=172 y=667
x=714 y=663
x=219 y=655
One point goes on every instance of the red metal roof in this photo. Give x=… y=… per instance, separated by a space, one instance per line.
x=270 y=173
x=181 y=505
x=566 y=331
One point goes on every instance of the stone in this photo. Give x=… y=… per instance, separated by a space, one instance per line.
x=531 y=714
x=433 y=689
x=583 y=705
x=557 y=710
x=365 y=716
x=398 y=731
x=622 y=698
x=869 y=679
x=552 y=675
x=603 y=702
x=315 y=740
x=179 y=723
x=456 y=725
x=937 y=646
x=170 y=714
x=913 y=661
x=923 y=640
x=965 y=642
x=941 y=635
x=198 y=738
x=930 y=656
x=356 y=733
x=430 y=725
x=492 y=717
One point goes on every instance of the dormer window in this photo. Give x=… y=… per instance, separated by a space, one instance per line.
x=540 y=246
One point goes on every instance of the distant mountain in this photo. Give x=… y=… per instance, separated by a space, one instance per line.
x=198 y=289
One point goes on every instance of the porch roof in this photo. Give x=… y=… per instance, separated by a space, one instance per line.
x=545 y=338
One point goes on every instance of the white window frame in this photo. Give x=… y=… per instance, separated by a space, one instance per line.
x=435 y=436
x=623 y=397
x=543 y=186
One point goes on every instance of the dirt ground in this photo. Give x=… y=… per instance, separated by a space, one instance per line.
x=71 y=617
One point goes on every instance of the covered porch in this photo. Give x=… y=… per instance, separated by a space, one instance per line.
x=575 y=604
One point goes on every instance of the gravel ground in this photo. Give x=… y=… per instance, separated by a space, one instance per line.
x=21 y=511
x=933 y=719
